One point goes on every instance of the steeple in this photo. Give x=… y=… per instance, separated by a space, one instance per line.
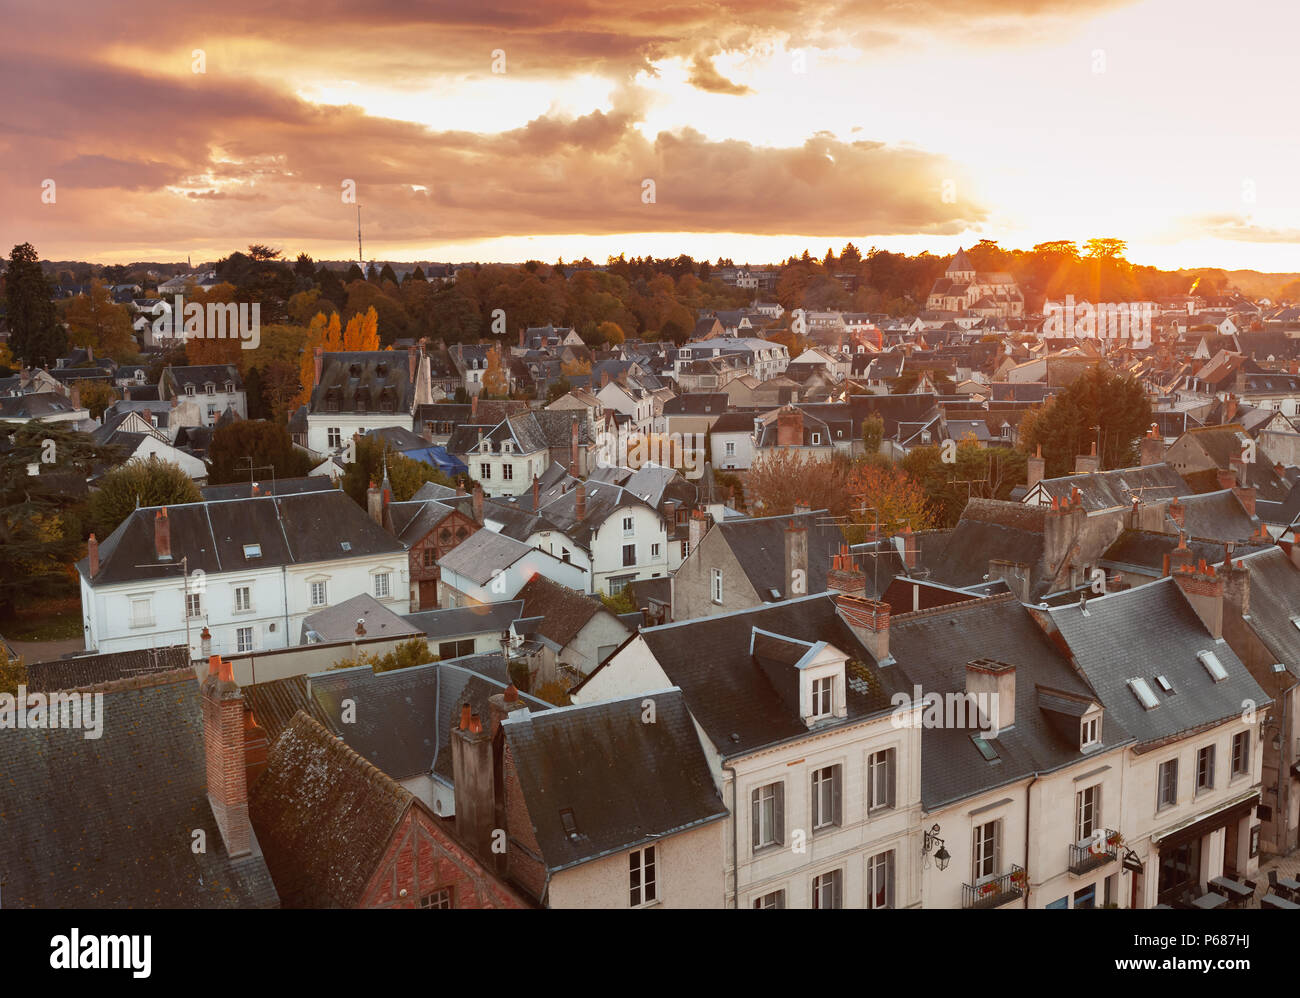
x=960 y=265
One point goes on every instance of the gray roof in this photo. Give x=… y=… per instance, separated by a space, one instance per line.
x=759 y=545
x=1109 y=489
x=624 y=782
x=1218 y=516
x=109 y=823
x=440 y=625
x=277 y=486
x=934 y=646
x=89 y=670
x=482 y=554
x=381 y=379
x=1275 y=604
x=1150 y=631
x=339 y=622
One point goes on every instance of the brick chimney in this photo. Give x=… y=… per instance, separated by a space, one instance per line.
x=477 y=502
x=375 y=503
x=1203 y=588
x=1177 y=512
x=1035 y=467
x=537 y=494
x=789 y=427
x=573 y=450
x=162 y=535
x=1087 y=464
x=92 y=555
x=1229 y=408
x=796 y=559
x=604 y=378
x=522 y=332
x=580 y=502
x=223 y=747
x=845 y=576
x=501 y=706
x=1236 y=587
x=1245 y=494
x=471 y=763
x=1153 y=447
x=473 y=408
x=1227 y=478
x=75 y=397
x=412 y=360
x=1180 y=556
x=869 y=620
x=256 y=747
x=911 y=551
x=319 y=362
x=994 y=683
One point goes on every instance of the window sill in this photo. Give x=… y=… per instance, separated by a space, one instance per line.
x=648 y=904
x=242 y=613
x=141 y=625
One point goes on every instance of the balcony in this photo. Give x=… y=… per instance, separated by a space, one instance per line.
x=996 y=892
x=1089 y=855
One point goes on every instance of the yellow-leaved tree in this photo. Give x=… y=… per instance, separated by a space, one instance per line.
x=328 y=333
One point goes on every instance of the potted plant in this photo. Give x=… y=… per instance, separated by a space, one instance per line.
x=1115 y=840
x=989 y=888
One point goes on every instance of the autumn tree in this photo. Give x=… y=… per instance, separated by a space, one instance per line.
x=410 y=653
x=610 y=333
x=873 y=432
x=95 y=320
x=139 y=482
x=975 y=473
x=887 y=496
x=495 y=384
x=405 y=475
x=780 y=478
x=1097 y=407
x=97 y=396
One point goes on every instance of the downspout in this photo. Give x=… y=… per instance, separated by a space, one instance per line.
x=284 y=585
x=735 y=837
x=1028 y=876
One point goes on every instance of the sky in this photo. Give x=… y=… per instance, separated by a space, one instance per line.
x=749 y=129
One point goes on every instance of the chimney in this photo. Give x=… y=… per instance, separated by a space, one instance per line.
x=698 y=527
x=669 y=512
x=1230 y=408
x=1181 y=556
x=1245 y=494
x=473 y=408
x=361 y=627
x=1087 y=464
x=501 y=706
x=478 y=503
x=845 y=576
x=223 y=746
x=1177 y=512
x=521 y=336
x=471 y=763
x=256 y=747
x=789 y=427
x=869 y=620
x=537 y=494
x=205 y=642
x=580 y=502
x=994 y=684
x=1227 y=478
x=1036 y=466
x=319 y=363
x=1236 y=587
x=427 y=432
x=1203 y=588
x=796 y=559
x=1153 y=447
x=75 y=397
x=92 y=555
x=90 y=353
x=910 y=549
x=375 y=503
x=162 y=535
x=573 y=449
x=604 y=378
x=412 y=359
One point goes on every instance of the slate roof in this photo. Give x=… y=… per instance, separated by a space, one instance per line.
x=564 y=611
x=1109 y=489
x=278 y=487
x=441 y=625
x=728 y=693
x=1149 y=631
x=109 y=822
x=988 y=529
x=274 y=703
x=624 y=781
x=90 y=670
x=697 y=404
x=1146 y=549
x=339 y=622
x=292 y=530
x=759 y=545
x=40 y=405
x=380 y=378
x=483 y=553
x=1275 y=604
x=934 y=646
x=1217 y=515
x=201 y=375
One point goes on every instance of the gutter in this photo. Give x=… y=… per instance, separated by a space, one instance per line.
x=1028 y=877
x=735 y=836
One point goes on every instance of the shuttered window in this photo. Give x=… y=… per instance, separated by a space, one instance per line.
x=880 y=880
x=880 y=779
x=826 y=797
x=767 y=819
x=986 y=848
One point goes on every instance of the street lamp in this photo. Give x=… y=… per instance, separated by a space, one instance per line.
x=941 y=856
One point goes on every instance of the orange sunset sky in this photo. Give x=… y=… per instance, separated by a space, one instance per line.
x=768 y=127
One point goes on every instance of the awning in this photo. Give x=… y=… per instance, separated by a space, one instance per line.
x=1232 y=810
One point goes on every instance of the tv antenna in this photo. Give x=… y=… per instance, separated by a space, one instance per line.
x=361 y=260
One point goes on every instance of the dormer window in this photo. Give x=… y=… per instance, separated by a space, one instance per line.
x=822 y=697
x=252 y=551
x=230 y=386
x=189 y=389
x=210 y=388
x=1090 y=732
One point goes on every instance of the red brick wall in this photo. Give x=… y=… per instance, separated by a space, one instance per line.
x=422 y=858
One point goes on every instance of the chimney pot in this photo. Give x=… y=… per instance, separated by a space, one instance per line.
x=92 y=555
x=162 y=535
x=465 y=712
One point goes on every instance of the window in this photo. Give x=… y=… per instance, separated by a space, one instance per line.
x=438 y=899
x=986 y=851
x=189 y=389
x=816 y=439
x=629 y=555
x=715 y=584
x=1205 y=769
x=382 y=585
x=334 y=437
x=243 y=599
x=827 y=890
x=485 y=471
x=825 y=797
x=654 y=550
x=821 y=696
x=455 y=649
x=1167 y=785
x=142 y=613
x=774 y=900
x=193 y=604
x=880 y=779
x=318 y=594
x=1091 y=732
x=427 y=557
x=1241 y=753
x=641 y=876
x=731 y=448
x=210 y=388
x=627 y=526
x=1141 y=690
x=508 y=472
x=767 y=816
x=252 y=551
x=244 y=638
x=1087 y=813
x=1212 y=665
x=880 y=880
x=686 y=549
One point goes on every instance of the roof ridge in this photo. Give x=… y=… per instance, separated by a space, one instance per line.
x=142 y=681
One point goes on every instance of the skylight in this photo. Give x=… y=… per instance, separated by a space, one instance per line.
x=1212 y=665
x=1144 y=693
x=569 y=823
x=1165 y=684
x=252 y=550
x=986 y=750
x=345 y=545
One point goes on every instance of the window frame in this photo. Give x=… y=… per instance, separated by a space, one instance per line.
x=825 y=796
x=1087 y=813
x=1205 y=774
x=1169 y=766
x=832 y=881
x=247 y=591
x=643 y=876
x=882 y=865
x=888 y=765
x=240 y=648
x=767 y=807
x=324 y=593
x=1241 y=738
x=387 y=578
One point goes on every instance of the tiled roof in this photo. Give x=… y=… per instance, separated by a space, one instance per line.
x=440 y=625
x=89 y=670
x=110 y=822
x=623 y=781
x=759 y=545
x=564 y=612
